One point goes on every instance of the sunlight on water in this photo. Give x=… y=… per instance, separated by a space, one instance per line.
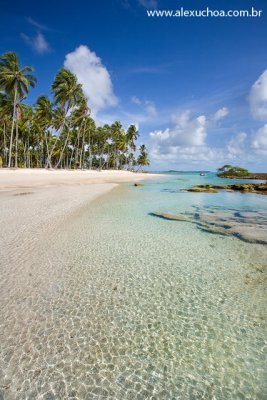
x=143 y=308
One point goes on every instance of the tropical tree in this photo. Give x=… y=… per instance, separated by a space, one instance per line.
x=143 y=159
x=132 y=135
x=5 y=120
x=16 y=82
x=67 y=93
x=58 y=131
x=230 y=170
x=43 y=119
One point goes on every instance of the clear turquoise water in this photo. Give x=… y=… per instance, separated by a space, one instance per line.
x=145 y=308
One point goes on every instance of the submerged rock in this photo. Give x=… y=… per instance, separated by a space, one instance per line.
x=199 y=189
x=258 y=188
x=170 y=217
x=247 y=226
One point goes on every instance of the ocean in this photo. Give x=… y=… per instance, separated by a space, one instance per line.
x=150 y=308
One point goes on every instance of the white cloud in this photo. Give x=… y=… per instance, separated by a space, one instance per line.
x=220 y=114
x=148 y=3
x=258 y=98
x=187 y=132
x=38 y=43
x=136 y=100
x=37 y=24
x=148 y=108
x=259 y=140
x=185 y=143
x=151 y=108
x=94 y=77
x=236 y=145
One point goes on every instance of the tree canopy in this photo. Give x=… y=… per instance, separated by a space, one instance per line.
x=58 y=131
x=230 y=170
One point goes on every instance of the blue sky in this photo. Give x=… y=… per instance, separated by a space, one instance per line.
x=196 y=88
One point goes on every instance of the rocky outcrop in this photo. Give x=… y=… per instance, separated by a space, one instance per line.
x=247 y=226
x=261 y=176
x=199 y=189
x=258 y=188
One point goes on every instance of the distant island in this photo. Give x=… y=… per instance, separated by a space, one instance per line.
x=234 y=172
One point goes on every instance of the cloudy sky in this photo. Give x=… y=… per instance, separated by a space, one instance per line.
x=196 y=88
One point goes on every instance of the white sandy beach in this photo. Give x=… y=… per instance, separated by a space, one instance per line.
x=34 y=201
x=31 y=200
x=32 y=178
x=35 y=205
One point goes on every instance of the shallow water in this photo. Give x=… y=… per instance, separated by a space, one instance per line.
x=129 y=306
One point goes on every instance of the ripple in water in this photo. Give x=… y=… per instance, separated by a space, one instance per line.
x=124 y=306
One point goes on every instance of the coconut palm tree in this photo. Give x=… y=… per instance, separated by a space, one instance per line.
x=16 y=81
x=5 y=119
x=116 y=129
x=132 y=136
x=67 y=93
x=79 y=120
x=43 y=119
x=143 y=159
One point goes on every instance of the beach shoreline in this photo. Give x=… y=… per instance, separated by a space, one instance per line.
x=41 y=178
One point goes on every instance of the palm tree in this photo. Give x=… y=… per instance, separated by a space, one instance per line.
x=79 y=120
x=60 y=132
x=143 y=159
x=116 y=129
x=132 y=135
x=67 y=93
x=16 y=81
x=5 y=119
x=44 y=120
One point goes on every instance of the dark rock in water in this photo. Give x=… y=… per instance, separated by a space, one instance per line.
x=247 y=226
x=242 y=188
x=258 y=188
x=170 y=217
x=262 y=176
x=139 y=184
x=199 y=189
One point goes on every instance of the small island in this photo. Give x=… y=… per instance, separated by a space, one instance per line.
x=234 y=172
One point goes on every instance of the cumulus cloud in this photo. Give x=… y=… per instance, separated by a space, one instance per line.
x=37 y=43
x=220 y=114
x=93 y=76
x=187 y=132
x=186 y=142
x=258 y=98
x=259 y=140
x=236 y=145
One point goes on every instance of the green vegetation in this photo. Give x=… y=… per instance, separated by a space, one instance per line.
x=58 y=132
x=143 y=159
x=232 y=171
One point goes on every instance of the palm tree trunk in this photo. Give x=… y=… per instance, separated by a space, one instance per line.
x=48 y=160
x=5 y=153
x=71 y=156
x=82 y=149
x=16 y=144
x=12 y=128
x=62 y=151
